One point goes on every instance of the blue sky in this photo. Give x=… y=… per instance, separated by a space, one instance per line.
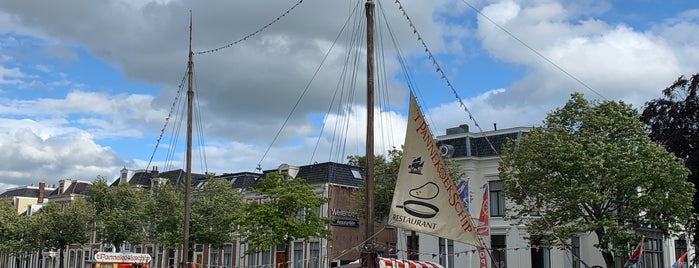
x=86 y=87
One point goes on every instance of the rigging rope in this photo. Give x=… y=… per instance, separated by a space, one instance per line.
x=532 y=49
x=251 y=34
x=471 y=117
x=169 y=115
x=303 y=93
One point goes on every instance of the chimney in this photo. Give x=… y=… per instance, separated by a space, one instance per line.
x=42 y=190
x=154 y=174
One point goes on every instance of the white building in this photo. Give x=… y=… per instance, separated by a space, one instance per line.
x=508 y=243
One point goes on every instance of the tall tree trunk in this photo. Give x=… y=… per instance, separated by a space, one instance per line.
x=60 y=256
x=608 y=259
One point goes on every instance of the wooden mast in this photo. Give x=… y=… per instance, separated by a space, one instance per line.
x=186 y=260
x=369 y=252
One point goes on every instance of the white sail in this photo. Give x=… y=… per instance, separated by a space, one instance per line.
x=425 y=199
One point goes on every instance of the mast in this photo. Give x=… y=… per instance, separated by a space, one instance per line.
x=369 y=254
x=186 y=260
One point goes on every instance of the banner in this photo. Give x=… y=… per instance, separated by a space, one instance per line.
x=425 y=199
x=483 y=227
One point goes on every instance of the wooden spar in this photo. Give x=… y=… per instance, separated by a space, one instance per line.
x=186 y=260
x=369 y=256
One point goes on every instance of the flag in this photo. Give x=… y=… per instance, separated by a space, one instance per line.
x=679 y=261
x=425 y=198
x=636 y=254
x=462 y=187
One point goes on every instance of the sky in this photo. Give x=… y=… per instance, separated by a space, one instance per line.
x=88 y=88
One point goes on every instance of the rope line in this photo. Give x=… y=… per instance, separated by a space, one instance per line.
x=251 y=34
x=471 y=117
x=533 y=50
x=169 y=115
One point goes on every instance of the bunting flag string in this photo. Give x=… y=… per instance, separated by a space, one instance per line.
x=444 y=77
x=253 y=33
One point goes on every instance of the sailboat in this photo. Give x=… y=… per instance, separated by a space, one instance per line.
x=425 y=199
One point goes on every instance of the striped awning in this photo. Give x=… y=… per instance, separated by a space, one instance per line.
x=401 y=263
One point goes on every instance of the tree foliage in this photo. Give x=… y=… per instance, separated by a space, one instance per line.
x=16 y=235
x=286 y=210
x=121 y=212
x=592 y=169
x=215 y=210
x=385 y=176
x=59 y=225
x=673 y=122
x=166 y=216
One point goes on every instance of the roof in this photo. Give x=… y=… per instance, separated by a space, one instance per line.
x=76 y=187
x=241 y=180
x=330 y=172
x=470 y=144
x=21 y=192
x=175 y=177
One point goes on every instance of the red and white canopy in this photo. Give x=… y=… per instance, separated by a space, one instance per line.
x=400 y=263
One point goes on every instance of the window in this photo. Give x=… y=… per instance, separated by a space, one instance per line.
x=79 y=259
x=315 y=255
x=213 y=256
x=413 y=247
x=446 y=252
x=298 y=255
x=227 y=255
x=71 y=259
x=159 y=256
x=499 y=246
x=252 y=260
x=681 y=248
x=356 y=174
x=266 y=258
x=653 y=250
x=576 y=251
x=541 y=257
x=300 y=214
x=497 y=199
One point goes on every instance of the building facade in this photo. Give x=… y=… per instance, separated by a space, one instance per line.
x=508 y=243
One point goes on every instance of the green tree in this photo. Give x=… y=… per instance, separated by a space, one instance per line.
x=121 y=212
x=385 y=175
x=592 y=169
x=673 y=122
x=167 y=216
x=285 y=211
x=215 y=209
x=16 y=235
x=59 y=225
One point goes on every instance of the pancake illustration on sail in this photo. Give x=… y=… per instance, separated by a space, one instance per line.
x=421 y=209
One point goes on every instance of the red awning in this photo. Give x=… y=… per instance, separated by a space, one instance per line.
x=396 y=263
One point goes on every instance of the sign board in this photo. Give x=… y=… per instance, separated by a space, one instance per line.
x=122 y=257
